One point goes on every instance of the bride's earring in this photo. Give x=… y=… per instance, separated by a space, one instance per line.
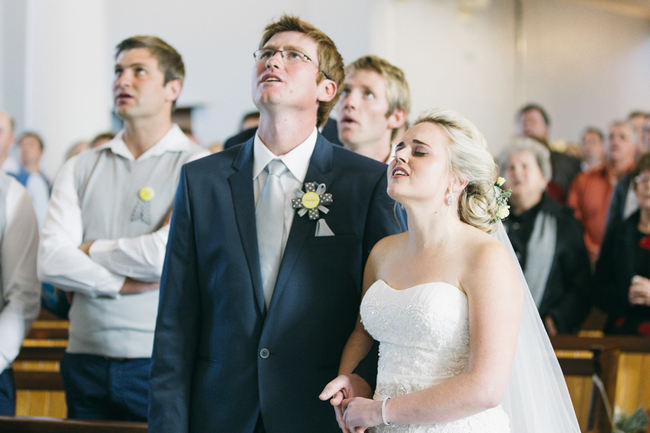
x=450 y=199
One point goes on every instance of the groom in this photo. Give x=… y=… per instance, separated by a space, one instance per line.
x=262 y=278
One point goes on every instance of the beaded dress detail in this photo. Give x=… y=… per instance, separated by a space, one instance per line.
x=423 y=334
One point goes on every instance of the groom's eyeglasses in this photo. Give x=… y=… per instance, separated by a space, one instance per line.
x=290 y=57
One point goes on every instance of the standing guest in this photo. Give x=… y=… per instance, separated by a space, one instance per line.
x=262 y=278
x=592 y=148
x=623 y=269
x=20 y=291
x=37 y=187
x=534 y=122
x=31 y=151
x=547 y=240
x=591 y=191
x=106 y=231
x=374 y=105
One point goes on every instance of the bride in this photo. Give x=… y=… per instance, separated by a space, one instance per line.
x=462 y=348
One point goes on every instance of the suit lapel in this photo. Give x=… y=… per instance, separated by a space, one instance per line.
x=241 y=187
x=320 y=167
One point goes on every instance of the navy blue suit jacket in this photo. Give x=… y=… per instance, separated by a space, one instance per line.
x=220 y=358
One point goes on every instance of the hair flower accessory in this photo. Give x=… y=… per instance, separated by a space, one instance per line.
x=312 y=201
x=502 y=196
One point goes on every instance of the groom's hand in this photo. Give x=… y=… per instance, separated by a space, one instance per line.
x=344 y=387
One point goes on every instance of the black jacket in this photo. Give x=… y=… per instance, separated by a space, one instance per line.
x=567 y=297
x=620 y=259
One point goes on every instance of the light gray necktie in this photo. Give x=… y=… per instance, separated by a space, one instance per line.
x=269 y=217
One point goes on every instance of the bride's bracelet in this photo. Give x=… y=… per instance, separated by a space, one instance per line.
x=383 y=411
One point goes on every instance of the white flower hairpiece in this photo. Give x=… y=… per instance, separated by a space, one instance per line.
x=502 y=196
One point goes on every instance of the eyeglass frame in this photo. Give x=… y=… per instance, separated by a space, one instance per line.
x=274 y=51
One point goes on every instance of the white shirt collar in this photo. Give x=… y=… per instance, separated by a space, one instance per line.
x=174 y=140
x=297 y=160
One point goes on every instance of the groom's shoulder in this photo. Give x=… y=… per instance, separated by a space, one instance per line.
x=345 y=159
x=216 y=164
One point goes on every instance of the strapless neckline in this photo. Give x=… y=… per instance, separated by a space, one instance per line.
x=417 y=286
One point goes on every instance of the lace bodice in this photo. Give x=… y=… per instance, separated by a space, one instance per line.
x=424 y=339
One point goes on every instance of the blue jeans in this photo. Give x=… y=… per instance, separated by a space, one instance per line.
x=7 y=393
x=101 y=388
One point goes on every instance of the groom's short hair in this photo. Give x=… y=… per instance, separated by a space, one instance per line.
x=330 y=61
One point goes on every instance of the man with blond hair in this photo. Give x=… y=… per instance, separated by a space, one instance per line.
x=105 y=235
x=374 y=105
x=263 y=274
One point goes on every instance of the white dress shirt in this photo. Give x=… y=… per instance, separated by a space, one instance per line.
x=110 y=261
x=297 y=163
x=21 y=290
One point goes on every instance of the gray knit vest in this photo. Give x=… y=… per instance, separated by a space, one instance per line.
x=121 y=198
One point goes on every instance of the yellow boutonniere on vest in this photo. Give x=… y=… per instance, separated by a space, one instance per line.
x=142 y=209
x=312 y=201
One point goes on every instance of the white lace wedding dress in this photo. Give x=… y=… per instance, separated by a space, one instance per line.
x=424 y=339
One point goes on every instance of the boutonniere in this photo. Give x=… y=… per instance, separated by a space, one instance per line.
x=645 y=243
x=142 y=209
x=312 y=201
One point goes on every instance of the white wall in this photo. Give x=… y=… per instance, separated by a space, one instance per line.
x=586 y=65
x=453 y=60
x=67 y=78
x=3 y=15
x=12 y=60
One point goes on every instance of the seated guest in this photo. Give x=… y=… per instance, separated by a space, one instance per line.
x=623 y=269
x=592 y=148
x=637 y=120
x=19 y=287
x=534 y=122
x=591 y=192
x=547 y=239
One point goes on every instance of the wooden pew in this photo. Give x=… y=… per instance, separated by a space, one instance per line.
x=56 y=425
x=39 y=387
x=623 y=364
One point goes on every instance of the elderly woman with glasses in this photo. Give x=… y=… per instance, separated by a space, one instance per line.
x=546 y=238
x=623 y=269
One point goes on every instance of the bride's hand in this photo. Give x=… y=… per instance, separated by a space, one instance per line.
x=361 y=413
x=345 y=386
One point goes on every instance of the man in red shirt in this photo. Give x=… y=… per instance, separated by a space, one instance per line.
x=591 y=191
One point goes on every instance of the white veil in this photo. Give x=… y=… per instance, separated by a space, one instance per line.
x=537 y=399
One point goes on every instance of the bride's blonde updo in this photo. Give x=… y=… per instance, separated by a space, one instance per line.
x=471 y=162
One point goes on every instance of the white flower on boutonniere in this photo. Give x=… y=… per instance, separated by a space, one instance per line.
x=312 y=201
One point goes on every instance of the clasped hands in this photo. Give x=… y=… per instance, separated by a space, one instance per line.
x=355 y=412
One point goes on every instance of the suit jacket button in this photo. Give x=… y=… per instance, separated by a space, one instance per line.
x=264 y=353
